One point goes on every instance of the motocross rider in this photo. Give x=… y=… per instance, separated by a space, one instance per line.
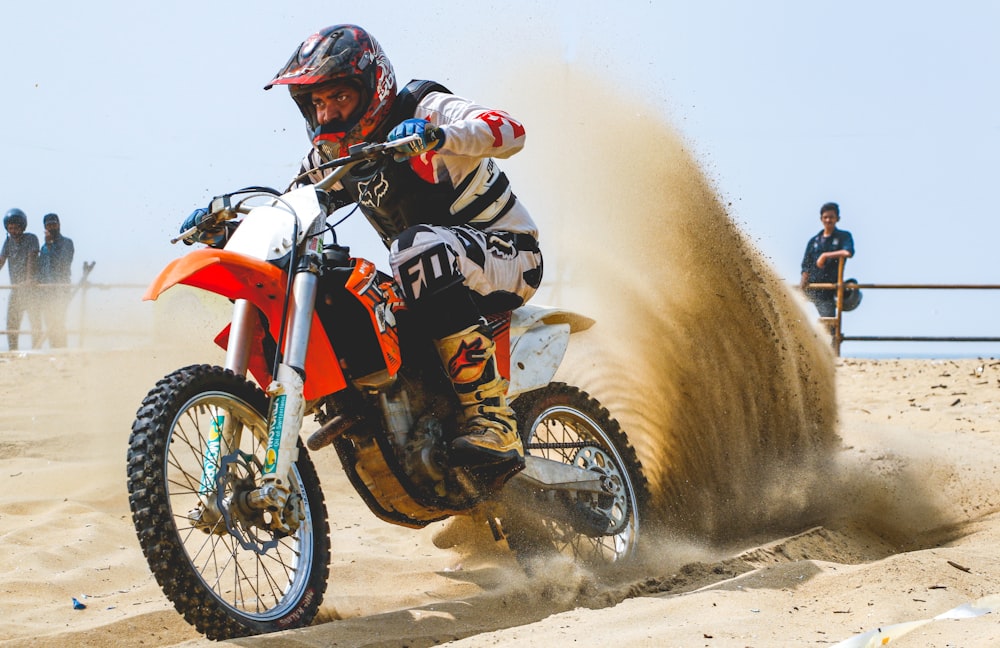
x=461 y=245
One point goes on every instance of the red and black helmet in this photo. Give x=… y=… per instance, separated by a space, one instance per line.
x=341 y=52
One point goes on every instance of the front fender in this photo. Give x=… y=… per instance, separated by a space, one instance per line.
x=236 y=276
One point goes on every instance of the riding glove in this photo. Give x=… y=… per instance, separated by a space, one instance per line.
x=212 y=236
x=431 y=137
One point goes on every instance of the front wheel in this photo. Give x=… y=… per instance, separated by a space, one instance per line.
x=563 y=423
x=195 y=455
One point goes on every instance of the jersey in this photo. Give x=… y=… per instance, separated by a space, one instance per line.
x=458 y=184
x=839 y=240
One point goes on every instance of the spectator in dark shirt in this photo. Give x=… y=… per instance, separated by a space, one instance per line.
x=54 y=263
x=821 y=261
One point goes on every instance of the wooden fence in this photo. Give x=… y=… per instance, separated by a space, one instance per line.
x=836 y=323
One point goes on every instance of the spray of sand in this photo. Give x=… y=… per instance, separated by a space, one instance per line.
x=720 y=378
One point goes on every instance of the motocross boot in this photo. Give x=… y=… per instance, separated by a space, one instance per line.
x=490 y=435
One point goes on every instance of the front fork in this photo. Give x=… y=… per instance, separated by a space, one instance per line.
x=286 y=411
x=285 y=392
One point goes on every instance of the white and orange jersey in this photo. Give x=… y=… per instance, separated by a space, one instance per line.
x=462 y=180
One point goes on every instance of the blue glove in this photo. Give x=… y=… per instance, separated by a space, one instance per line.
x=431 y=137
x=213 y=236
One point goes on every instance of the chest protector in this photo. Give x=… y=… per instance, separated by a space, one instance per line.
x=391 y=194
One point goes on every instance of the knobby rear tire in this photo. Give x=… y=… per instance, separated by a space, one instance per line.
x=564 y=423
x=220 y=586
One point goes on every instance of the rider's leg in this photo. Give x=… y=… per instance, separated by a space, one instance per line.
x=490 y=435
x=427 y=263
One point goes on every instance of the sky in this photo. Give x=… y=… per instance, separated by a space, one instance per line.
x=124 y=116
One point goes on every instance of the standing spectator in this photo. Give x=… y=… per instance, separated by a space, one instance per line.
x=54 y=262
x=21 y=249
x=821 y=262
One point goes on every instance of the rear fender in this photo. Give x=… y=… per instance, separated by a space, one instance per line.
x=539 y=338
x=236 y=276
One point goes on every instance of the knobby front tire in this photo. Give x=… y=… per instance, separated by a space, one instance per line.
x=229 y=574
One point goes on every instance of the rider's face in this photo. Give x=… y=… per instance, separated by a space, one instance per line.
x=335 y=102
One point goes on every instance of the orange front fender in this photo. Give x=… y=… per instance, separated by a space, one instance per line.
x=236 y=276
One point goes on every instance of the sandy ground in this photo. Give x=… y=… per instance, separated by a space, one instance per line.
x=914 y=538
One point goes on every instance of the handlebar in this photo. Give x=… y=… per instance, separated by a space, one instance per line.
x=221 y=210
x=359 y=153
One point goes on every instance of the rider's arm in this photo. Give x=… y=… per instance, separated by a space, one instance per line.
x=470 y=129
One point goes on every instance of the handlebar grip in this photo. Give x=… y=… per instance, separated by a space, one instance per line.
x=191 y=231
x=211 y=221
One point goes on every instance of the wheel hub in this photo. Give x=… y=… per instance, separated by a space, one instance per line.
x=610 y=508
x=255 y=529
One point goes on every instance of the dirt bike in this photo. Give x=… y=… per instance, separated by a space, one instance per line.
x=225 y=498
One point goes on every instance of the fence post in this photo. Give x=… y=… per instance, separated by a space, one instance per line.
x=83 y=286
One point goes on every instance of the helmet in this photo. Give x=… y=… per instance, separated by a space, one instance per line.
x=852 y=295
x=341 y=52
x=15 y=216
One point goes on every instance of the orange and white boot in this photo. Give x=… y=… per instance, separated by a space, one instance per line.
x=490 y=435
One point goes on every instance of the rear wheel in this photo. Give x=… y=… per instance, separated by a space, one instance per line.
x=231 y=569
x=563 y=423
